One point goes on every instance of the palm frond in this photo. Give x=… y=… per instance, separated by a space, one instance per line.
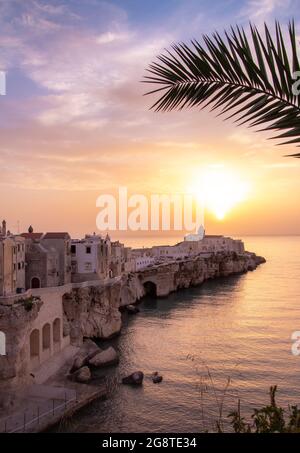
x=251 y=80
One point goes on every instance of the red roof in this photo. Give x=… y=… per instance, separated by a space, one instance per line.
x=32 y=235
x=63 y=235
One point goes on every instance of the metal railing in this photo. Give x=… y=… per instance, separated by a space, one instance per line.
x=37 y=417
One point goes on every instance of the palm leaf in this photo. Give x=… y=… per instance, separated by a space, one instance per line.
x=252 y=80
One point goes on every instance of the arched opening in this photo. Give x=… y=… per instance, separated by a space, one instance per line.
x=2 y=343
x=35 y=345
x=56 y=334
x=150 y=289
x=35 y=282
x=46 y=337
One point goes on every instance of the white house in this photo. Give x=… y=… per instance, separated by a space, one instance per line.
x=90 y=258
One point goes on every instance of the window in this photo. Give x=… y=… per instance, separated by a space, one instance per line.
x=34 y=343
x=73 y=249
x=46 y=336
x=19 y=266
x=2 y=343
x=88 y=266
x=56 y=330
x=88 y=250
x=19 y=248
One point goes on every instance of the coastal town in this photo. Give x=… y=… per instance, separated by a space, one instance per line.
x=38 y=260
x=58 y=293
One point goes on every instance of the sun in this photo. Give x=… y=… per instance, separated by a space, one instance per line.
x=219 y=190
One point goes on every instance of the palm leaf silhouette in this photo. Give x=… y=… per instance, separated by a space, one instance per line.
x=249 y=80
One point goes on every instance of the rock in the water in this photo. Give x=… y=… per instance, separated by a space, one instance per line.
x=132 y=309
x=82 y=375
x=135 y=378
x=104 y=358
x=156 y=379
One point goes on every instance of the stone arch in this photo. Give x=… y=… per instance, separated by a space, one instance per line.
x=2 y=343
x=150 y=288
x=56 y=334
x=35 y=282
x=46 y=336
x=35 y=344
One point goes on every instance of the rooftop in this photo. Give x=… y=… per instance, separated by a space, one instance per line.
x=57 y=235
x=32 y=235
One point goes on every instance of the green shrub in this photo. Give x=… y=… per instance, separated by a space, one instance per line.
x=268 y=419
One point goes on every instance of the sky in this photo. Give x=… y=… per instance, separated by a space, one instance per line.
x=75 y=124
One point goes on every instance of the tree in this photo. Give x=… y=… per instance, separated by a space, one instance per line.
x=253 y=80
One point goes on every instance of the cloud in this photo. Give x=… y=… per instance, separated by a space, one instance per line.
x=260 y=10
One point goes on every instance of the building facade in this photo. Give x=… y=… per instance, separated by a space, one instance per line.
x=61 y=243
x=90 y=258
x=12 y=262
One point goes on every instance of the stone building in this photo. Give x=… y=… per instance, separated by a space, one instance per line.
x=48 y=259
x=12 y=262
x=42 y=266
x=143 y=257
x=90 y=258
x=61 y=243
x=218 y=243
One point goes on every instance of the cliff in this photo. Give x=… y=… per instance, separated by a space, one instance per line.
x=93 y=312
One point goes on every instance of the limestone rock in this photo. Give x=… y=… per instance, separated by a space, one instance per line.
x=87 y=351
x=157 y=379
x=82 y=375
x=93 y=312
x=135 y=378
x=104 y=358
x=132 y=309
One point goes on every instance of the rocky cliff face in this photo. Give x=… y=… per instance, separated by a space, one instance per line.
x=93 y=312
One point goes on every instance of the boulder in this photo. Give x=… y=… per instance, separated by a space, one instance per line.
x=132 y=309
x=78 y=363
x=87 y=351
x=104 y=358
x=90 y=348
x=82 y=375
x=135 y=378
x=157 y=379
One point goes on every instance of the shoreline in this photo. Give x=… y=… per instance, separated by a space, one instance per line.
x=167 y=277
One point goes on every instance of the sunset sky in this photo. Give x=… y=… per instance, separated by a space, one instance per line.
x=75 y=124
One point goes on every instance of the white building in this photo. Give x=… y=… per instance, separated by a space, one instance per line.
x=90 y=258
x=143 y=258
x=197 y=236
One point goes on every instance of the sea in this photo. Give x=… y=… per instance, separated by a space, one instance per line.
x=221 y=344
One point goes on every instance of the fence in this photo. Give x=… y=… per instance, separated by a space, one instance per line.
x=38 y=416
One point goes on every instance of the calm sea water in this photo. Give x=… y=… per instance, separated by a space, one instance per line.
x=237 y=328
